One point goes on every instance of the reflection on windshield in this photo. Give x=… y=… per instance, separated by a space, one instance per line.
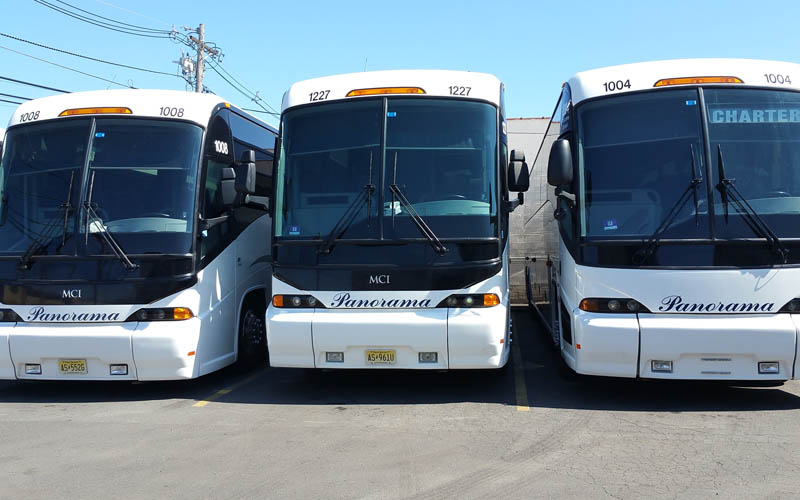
x=759 y=131
x=329 y=154
x=442 y=154
x=636 y=156
x=144 y=181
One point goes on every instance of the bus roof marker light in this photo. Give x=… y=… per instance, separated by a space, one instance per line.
x=384 y=91
x=96 y=111
x=697 y=80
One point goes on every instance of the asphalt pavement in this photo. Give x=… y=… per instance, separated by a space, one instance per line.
x=525 y=432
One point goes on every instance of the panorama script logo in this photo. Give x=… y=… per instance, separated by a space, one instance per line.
x=675 y=303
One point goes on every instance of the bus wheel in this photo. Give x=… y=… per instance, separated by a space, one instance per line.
x=252 y=337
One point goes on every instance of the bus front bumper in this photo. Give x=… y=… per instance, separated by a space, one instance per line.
x=459 y=338
x=692 y=347
x=149 y=351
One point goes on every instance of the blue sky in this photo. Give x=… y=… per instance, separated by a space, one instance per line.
x=532 y=46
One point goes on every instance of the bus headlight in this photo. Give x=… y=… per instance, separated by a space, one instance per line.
x=161 y=314
x=623 y=305
x=9 y=316
x=296 y=301
x=471 y=300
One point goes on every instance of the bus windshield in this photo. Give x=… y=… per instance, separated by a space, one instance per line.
x=441 y=154
x=637 y=155
x=139 y=175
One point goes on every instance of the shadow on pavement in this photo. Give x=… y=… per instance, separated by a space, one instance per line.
x=546 y=386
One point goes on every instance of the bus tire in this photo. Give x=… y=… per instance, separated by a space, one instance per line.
x=252 y=337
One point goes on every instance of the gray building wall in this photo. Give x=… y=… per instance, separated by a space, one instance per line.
x=528 y=224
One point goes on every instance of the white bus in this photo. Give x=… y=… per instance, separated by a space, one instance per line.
x=391 y=204
x=677 y=215
x=133 y=236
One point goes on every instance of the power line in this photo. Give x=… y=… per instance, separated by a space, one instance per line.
x=252 y=96
x=260 y=111
x=86 y=57
x=255 y=97
x=12 y=102
x=130 y=31
x=129 y=11
x=112 y=20
x=67 y=67
x=29 y=84
x=16 y=97
x=235 y=87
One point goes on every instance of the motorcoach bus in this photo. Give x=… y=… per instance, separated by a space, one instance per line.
x=391 y=203
x=677 y=216
x=133 y=236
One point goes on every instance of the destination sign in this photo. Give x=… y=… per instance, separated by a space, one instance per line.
x=754 y=115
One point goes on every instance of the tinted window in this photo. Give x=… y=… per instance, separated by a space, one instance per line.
x=635 y=160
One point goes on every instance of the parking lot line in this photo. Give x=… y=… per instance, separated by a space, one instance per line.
x=519 y=380
x=235 y=386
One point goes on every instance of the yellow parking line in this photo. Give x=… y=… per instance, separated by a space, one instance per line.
x=519 y=380
x=235 y=386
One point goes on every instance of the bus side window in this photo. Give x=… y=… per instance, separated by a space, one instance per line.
x=560 y=126
x=247 y=135
x=214 y=238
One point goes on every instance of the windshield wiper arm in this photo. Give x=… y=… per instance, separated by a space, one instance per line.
x=349 y=215
x=437 y=245
x=95 y=221
x=729 y=193
x=48 y=233
x=649 y=246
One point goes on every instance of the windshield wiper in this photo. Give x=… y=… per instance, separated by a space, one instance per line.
x=649 y=246
x=349 y=215
x=95 y=221
x=437 y=245
x=47 y=235
x=729 y=193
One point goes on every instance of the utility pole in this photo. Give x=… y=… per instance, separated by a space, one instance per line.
x=201 y=35
x=199 y=42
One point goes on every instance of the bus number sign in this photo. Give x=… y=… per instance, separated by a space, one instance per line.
x=778 y=78
x=319 y=96
x=460 y=90
x=617 y=85
x=221 y=147
x=28 y=117
x=171 y=112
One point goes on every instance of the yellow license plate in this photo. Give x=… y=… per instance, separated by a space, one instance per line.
x=382 y=357
x=72 y=366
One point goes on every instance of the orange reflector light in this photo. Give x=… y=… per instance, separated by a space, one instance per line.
x=696 y=80
x=96 y=111
x=190 y=353
x=277 y=300
x=490 y=299
x=591 y=305
x=577 y=346
x=181 y=313
x=385 y=90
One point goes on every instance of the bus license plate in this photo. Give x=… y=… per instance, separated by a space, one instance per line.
x=383 y=357
x=72 y=366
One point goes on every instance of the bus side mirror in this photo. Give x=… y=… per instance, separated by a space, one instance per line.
x=227 y=186
x=518 y=174
x=559 y=165
x=246 y=173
